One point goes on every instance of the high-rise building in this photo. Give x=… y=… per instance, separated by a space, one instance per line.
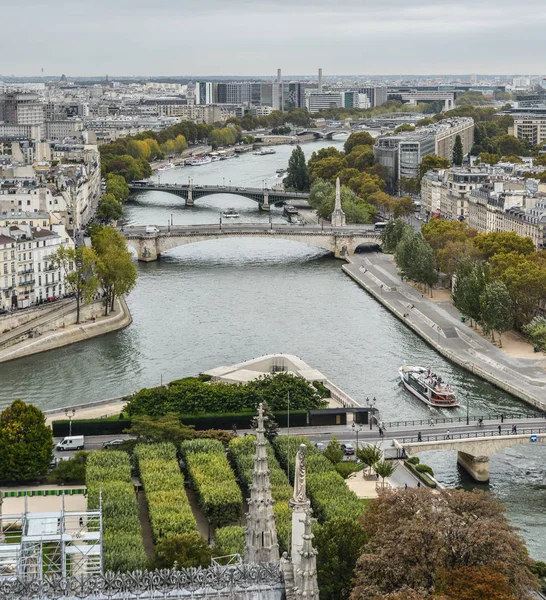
x=204 y=92
x=315 y=101
x=377 y=94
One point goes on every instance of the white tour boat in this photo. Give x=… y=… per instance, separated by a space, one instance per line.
x=166 y=167
x=428 y=387
x=200 y=160
x=230 y=213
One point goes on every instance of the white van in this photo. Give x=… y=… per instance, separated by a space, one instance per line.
x=152 y=229
x=71 y=442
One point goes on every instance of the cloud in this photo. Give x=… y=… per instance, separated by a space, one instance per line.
x=214 y=37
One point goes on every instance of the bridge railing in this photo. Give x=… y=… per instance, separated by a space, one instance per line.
x=471 y=419
x=442 y=437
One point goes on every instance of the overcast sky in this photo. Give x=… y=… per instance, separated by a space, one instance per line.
x=244 y=37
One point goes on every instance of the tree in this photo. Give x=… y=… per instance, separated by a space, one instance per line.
x=536 y=331
x=438 y=232
x=496 y=309
x=489 y=158
x=168 y=428
x=526 y=284
x=384 y=468
x=476 y=582
x=297 y=177
x=339 y=542
x=404 y=127
x=408 y=185
x=393 y=233
x=321 y=191
x=432 y=161
x=78 y=266
x=361 y=157
x=369 y=455
x=270 y=425
x=109 y=208
x=115 y=266
x=416 y=536
x=458 y=153
x=185 y=549
x=327 y=168
x=26 y=443
x=470 y=282
x=116 y=185
x=72 y=470
x=415 y=259
x=334 y=453
x=403 y=207
x=503 y=242
x=361 y=138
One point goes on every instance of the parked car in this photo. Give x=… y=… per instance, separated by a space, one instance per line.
x=320 y=446
x=112 y=443
x=348 y=448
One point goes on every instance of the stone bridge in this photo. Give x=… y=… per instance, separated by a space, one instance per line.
x=264 y=196
x=475 y=449
x=324 y=133
x=341 y=241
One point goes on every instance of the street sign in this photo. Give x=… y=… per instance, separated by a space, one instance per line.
x=533 y=438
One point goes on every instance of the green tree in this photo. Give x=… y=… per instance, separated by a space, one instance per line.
x=339 y=542
x=503 y=242
x=185 y=549
x=116 y=269
x=404 y=127
x=526 y=284
x=361 y=138
x=489 y=158
x=297 y=177
x=78 y=266
x=432 y=161
x=71 y=470
x=109 y=208
x=496 y=309
x=393 y=233
x=439 y=232
x=327 y=168
x=321 y=192
x=471 y=280
x=26 y=443
x=408 y=185
x=536 y=332
x=415 y=259
x=369 y=455
x=385 y=468
x=116 y=185
x=151 y=430
x=270 y=425
x=458 y=153
x=334 y=453
x=360 y=157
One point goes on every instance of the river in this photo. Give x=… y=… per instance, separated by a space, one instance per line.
x=225 y=301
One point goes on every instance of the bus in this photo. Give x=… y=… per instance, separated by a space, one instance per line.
x=378 y=227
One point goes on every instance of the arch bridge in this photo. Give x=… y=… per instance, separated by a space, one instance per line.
x=475 y=448
x=326 y=134
x=263 y=196
x=341 y=241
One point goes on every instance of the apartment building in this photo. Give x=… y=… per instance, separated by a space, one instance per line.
x=530 y=126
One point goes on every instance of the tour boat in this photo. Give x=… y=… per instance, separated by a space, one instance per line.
x=200 y=160
x=265 y=152
x=166 y=167
x=428 y=387
x=230 y=213
x=281 y=172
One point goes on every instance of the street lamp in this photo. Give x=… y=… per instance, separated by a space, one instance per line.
x=371 y=405
x=467 y=403
x=220 y=222
x=357 y=430
x=70 y=417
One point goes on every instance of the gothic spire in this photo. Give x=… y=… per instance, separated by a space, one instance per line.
x=261 y=546
x=306 y=571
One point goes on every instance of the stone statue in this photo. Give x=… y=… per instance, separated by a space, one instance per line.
x=300 y=495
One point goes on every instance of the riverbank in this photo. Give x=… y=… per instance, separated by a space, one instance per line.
x=441 y=327
x=65 y=334
x=157 y=164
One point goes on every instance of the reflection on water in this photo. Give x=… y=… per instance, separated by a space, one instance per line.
x=225 y=301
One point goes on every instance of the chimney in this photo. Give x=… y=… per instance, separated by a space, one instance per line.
x=320 y=81
x=279 y=76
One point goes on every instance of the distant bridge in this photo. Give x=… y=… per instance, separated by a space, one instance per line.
x=324 y=133
x=342 y=241
x=264 y=196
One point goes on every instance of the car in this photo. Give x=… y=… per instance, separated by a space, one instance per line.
x=320 y=446
x=112 y=443
x=348 y=448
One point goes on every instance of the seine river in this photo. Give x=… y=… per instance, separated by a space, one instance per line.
x=225 y=301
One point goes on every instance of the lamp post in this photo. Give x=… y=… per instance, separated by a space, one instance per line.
x=371 y=405
x=467 y=403
x=357 y=430
x=70 y=417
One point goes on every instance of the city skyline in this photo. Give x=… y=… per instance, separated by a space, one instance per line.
x=139 y=38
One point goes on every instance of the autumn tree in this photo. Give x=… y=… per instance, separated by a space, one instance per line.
x=115 y=266
x=432 y=161
x=361 y=138
x=26 y=443
x=475 y=582
x=416 y=536
x=503 y=242
x=78 y=266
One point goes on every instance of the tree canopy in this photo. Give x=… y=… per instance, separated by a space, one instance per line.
x=297 y=177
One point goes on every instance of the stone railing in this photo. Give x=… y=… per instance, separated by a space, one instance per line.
x=233 y=581
x=341 y=397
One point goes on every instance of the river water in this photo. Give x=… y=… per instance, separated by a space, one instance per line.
x=225 y=301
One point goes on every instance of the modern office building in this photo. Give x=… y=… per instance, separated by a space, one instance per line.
x=204 y=93
x=530 y=126
x=315 y=101
x=377 y=94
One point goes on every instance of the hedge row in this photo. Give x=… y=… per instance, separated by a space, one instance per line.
x=329 y=495
x=110 y=473
x=213 y=480
x=423 y=477
x=168 y=505
x=201 y=422
x=241 y=452
x=229 y=540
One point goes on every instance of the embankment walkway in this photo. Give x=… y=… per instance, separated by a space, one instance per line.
x=440 y=325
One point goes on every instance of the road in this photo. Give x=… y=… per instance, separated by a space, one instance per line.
x=346 y=434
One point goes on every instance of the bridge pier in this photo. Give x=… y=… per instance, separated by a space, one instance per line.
x=147 y=249
x=265 y=204
x=189 y=198
x=476 y=466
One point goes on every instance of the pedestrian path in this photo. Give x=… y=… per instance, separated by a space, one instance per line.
x=442 y=328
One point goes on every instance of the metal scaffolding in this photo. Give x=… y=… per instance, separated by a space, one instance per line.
x=38 y=544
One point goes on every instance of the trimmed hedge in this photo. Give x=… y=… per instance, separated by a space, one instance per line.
x=229 y=540
x=213 y=480
x=423 y=477
x=110 y=473
x=329 y=495
x=241 y=452
x=168 y=505
x=298 y=418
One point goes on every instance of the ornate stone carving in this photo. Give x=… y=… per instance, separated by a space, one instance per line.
x=300 y=493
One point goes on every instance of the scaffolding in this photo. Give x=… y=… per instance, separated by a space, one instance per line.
x=64 y=543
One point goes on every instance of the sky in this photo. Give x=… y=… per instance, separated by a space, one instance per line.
x=244 y=37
